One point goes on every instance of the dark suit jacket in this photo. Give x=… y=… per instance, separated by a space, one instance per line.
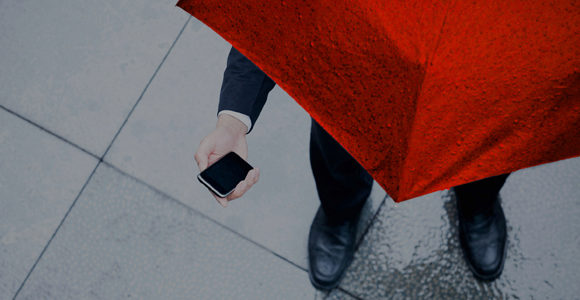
x=245 y=87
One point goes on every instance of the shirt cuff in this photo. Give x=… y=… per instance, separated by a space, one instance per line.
x=242 y=117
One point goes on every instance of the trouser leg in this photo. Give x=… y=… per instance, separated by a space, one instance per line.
x=479 y=195
x=343 y=185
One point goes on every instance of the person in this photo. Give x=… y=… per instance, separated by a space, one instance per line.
x=342 y=184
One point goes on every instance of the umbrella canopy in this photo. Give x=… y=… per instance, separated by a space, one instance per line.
x=425 y=95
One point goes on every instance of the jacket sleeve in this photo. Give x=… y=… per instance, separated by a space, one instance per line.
x=244 y=87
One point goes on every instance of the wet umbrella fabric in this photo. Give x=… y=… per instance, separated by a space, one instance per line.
x=425 y=95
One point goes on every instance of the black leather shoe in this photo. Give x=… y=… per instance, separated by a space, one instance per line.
x=483 y=237
x=330 y=249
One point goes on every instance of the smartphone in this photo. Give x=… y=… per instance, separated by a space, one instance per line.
x=223 y=176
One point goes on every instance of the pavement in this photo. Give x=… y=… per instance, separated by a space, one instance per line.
x=102 y=106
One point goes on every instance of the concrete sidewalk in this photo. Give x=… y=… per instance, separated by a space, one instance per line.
x=102 y=106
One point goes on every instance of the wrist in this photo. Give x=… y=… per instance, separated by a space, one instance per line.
x=232 y=124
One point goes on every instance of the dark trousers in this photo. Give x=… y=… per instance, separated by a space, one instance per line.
x=343 y=185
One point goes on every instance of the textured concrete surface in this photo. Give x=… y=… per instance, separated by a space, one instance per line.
x=40 y=177
x=124 y=240
x=333 y=295
x=77 y=67
x=412 y=249
x=146 y=228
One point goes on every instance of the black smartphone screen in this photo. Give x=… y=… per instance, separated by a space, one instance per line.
x=225 y=174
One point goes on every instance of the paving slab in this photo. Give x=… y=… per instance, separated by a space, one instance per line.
x=40 y=176
x=412 y=250
x=125 y=240
x=78 y=67
x=160 y=139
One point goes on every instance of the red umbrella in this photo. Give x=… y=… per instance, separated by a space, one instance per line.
x=426 y=95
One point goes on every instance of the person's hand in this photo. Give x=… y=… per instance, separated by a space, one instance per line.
x=229 y=135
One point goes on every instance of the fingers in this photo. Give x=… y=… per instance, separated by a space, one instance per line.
x=203 y=153
x=222 y=201
x=245 y=185
x=202 y=160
